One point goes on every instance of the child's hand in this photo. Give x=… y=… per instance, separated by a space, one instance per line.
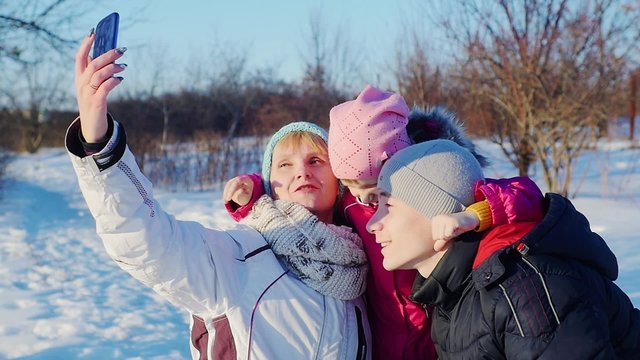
x=447 y=227
x=239 y=190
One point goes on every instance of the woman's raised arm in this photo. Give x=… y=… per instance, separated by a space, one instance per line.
x=94 y=80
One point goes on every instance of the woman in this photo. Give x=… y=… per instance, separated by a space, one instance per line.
x=244 y=283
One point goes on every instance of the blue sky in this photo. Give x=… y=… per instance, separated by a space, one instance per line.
x=273 y=33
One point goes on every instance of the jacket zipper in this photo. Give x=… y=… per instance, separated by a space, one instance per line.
x=426 y=310
x=362 y=341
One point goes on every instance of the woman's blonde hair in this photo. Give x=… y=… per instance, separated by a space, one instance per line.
x=294 y=140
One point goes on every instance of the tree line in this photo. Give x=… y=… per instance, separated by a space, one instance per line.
x=542 y=79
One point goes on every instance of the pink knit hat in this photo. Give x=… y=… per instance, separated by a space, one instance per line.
x=366 y=131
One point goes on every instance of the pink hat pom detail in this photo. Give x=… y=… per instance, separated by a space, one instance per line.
x=366 y=131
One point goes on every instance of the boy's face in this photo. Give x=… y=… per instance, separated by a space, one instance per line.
x=363 y=190
x=403 y=232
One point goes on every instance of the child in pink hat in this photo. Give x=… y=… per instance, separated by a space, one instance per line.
x=363 y=133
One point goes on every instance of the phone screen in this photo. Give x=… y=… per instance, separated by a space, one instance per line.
x=106 y=34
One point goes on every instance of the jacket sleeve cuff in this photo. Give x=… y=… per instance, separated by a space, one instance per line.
x=484 y=191
x=482 y=210
x=94 y=148
x=106 y=153
x=512 y=200
x=240 y=212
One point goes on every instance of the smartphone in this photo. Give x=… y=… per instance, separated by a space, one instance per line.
x=106 y=34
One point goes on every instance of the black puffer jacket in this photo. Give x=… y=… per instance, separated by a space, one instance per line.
x=555 y=301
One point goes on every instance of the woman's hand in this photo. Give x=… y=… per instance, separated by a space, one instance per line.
x=239 y=190
x=94 y=80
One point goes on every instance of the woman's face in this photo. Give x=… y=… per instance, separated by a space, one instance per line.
x=301 y=173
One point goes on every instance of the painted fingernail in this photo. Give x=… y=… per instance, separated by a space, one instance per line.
x=119 y=78
x=91 y=32
x=121 y=50
x=122 y=66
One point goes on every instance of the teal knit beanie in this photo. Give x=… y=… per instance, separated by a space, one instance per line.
x=300 y=126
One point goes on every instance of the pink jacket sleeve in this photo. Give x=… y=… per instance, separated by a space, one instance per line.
x=511 y=200
x=240 y=212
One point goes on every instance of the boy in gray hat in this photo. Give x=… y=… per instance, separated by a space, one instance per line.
x=522 y=290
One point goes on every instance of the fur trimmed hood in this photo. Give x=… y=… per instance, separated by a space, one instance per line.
x=439 y=123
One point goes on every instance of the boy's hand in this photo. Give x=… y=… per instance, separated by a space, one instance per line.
x=447 y=227
x=239 y=190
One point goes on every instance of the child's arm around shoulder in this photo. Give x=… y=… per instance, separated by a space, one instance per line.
x=498 y=202
x=511 y=200
x=240 y=193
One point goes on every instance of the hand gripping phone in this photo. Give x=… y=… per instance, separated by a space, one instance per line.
x=106 y=34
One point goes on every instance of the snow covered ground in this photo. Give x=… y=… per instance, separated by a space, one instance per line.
x=61 y=297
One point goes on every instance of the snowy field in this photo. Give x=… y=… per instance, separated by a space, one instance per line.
x=61 y=297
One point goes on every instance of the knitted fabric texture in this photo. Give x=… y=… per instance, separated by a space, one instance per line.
x=366 y=131
x=434 y=177
x=301 y=126
x=326 y=257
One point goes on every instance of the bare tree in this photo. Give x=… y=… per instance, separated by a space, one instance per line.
x=232 y=86
x=32 y=94
x=332 y=59
x=546 y=71
x=333 y=65
x=153 y=85
x=417 y=80
x=33 y=29
x=633 y=100
x=35 y=39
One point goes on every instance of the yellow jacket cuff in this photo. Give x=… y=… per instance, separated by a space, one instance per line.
x=483 y=212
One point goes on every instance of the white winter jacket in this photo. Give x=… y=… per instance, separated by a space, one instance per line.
x=251 y=306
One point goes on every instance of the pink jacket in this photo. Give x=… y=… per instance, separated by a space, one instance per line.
x=401 y=328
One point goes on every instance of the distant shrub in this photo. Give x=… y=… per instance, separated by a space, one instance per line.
x=5 y=157
x=206 y=163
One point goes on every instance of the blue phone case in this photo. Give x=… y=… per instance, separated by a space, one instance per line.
x=106 y=34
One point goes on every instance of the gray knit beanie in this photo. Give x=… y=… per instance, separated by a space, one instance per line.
x=434 y=177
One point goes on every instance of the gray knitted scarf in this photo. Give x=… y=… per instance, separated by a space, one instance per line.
x=326 y=257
